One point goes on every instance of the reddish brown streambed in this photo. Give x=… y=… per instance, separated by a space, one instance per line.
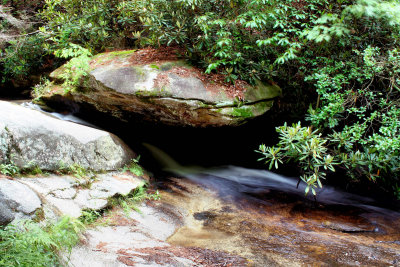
x=276 y=228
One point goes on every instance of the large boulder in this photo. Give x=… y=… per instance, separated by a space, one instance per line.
x=156 y=86
x=31 y=138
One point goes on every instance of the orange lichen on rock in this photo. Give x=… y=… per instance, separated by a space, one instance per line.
x=151 y=55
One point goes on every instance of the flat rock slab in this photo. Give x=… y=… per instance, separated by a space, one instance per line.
x=30 y=138
x=17 y=201
x=69 y=196
x=141 y=240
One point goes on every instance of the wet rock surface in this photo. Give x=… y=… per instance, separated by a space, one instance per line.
x=140 y=239
x=197 y=223
x=132 y=85
x=279 y=229
x=30 y=138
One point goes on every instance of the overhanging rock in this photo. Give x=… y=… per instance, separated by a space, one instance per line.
x=149 y=86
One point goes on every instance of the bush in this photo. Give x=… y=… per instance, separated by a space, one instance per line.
x=9 y=169
x=307 y=148
x=21 y=46
x=242 y=39
x=21 y=56
x=355 y=71
x=94 y=24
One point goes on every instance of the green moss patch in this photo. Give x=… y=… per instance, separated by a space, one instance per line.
x=244 y=112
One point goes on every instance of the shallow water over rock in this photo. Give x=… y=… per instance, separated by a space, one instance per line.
x=272 y=227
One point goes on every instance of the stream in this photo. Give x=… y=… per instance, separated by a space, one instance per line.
x=265 y=219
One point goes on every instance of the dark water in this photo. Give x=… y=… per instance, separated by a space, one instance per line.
x=210 y=146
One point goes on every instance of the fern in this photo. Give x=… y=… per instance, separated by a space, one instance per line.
x=27 y=243
x=76 y=68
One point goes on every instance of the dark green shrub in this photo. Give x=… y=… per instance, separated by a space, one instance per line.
x=355 y=70
x=94 y=24
x=21 y=56
x=242 y=39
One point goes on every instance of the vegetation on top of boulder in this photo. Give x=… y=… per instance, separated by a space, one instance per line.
x=76 y=68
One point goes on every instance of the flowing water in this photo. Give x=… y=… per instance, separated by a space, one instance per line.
x=66 y=116
x=266 y=219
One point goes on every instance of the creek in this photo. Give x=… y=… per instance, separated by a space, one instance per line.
x=255 y=214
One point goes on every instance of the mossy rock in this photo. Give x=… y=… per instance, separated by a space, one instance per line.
x=168 y=91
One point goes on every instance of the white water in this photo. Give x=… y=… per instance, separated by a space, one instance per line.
x=65 y=117
x=236 y=181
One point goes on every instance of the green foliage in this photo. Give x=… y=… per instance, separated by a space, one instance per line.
x=9 y=169
x=76 y=68
x=32 y=169
x=134 y=167
x=352 y=60
x=27 y=243
x=21 y=56
x=360 y=112
x=244 y=39
x=41 y=88
x=88 y=217
x=76 y=170
x=218 y=35
x=127 y=203
x=20 y=49
x=130 y=201
x=96 y=24
x=307 y=148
